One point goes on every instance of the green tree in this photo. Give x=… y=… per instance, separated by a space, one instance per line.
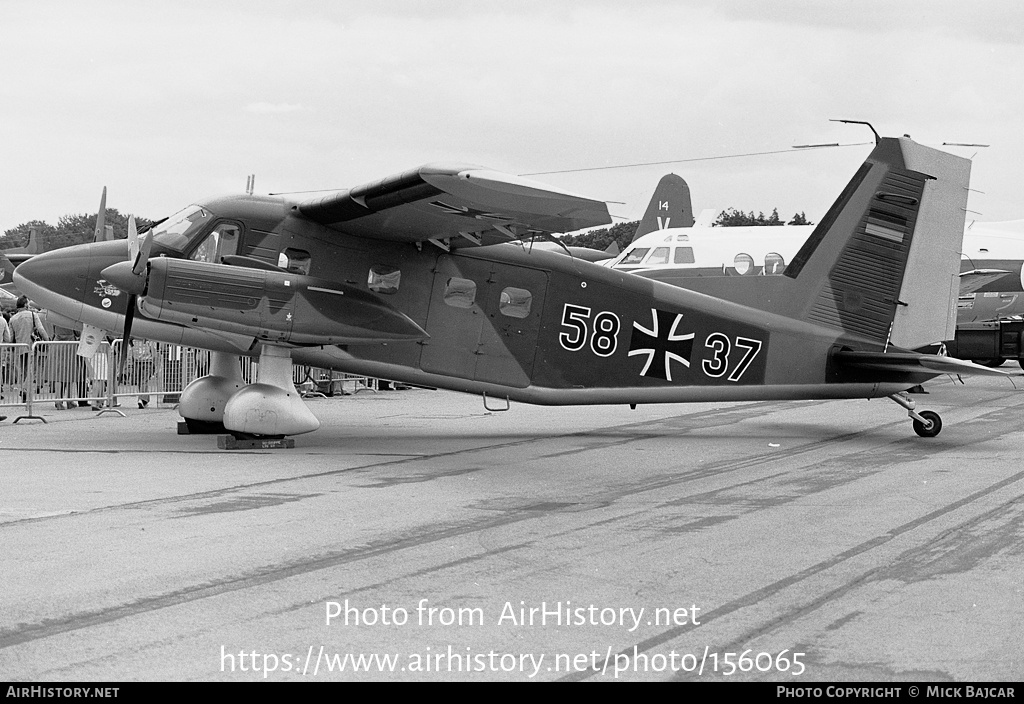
x=621 y=233
x=737 y=218
x=70 y=230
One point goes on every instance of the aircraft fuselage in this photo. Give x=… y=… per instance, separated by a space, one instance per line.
x=531 y=326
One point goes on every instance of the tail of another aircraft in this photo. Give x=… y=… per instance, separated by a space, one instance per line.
x=669 y=207
x=101 y=234
x=884 y=262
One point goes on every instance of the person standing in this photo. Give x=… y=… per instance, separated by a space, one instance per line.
x=26 y=328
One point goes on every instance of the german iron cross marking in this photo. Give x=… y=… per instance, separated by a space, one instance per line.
x=662 y=344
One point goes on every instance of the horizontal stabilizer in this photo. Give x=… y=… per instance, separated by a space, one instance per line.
x=914 y=362
x=971 y=281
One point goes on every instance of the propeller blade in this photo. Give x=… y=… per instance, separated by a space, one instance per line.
x=133 y=239
x=143 y=256
x=129 y=318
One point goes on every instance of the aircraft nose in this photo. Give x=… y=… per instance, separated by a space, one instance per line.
x=63 y=279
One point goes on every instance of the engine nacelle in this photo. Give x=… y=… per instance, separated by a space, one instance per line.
x=271 y=305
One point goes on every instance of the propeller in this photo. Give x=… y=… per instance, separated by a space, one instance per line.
x=130 y=277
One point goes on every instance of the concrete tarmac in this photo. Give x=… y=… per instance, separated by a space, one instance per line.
x=419 y=536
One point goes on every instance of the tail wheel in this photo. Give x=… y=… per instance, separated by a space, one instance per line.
x=931 y=427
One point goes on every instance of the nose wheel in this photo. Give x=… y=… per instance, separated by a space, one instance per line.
x=927 y=424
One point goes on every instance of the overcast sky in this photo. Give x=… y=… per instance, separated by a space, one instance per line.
x=166 y=103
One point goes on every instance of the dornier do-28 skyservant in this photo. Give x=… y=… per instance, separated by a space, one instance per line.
x=420 y=278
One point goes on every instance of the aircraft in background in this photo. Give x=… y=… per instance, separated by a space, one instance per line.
x=412 y=278
x=991 y=276
x=669 y=207
x=16 y=255
x=992 y=257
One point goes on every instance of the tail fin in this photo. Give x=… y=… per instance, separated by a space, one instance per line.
x=31 y=247
x=100 y=233
x=884 y=262
x=669 y=207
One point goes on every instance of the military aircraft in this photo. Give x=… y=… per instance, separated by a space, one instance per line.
x=412 y=278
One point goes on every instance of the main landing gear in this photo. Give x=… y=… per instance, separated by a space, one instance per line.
x=927 y=424
x=270 y=408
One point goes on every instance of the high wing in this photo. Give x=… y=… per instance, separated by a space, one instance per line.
x=913 y=362
x=454 y=205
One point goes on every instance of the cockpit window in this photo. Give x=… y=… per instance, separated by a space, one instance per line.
x=176 y=231
x=658 y=256
x=635 y=255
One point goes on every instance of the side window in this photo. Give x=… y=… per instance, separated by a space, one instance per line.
x=658 y=256
x=384 y=279
x=774 y=264
x=221 y=242
x=744 y=264
x=515 y=302
x=460 y=293
x=296 y=261
x=684 y=255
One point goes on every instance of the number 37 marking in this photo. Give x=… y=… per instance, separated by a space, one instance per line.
x=717 y=364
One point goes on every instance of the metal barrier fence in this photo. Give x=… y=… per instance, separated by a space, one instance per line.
x=52 y=372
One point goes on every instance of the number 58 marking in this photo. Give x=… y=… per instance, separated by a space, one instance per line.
x=602 y=332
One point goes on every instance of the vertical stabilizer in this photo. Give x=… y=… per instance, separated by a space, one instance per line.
x=32 y=246
x=100 y=233
x=669 y=207
x=883 y=263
